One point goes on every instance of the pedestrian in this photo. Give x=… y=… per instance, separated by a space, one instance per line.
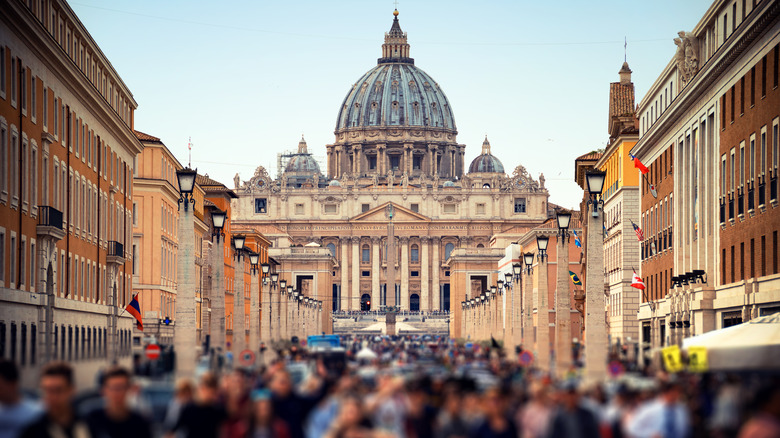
x=264 y=423
x=238 y=405
x=449 y=423
x=59 y=419
x=293 y=408
x=534 y=417
x=665 y=416
x=571 y=419
x=352 y=421
x=16 y=412
x=497 y=422
x=204 y=417
x=115 y=419
x=765 y=422
x=183 y=394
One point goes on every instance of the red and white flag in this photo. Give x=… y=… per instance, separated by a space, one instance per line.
x=636 y=281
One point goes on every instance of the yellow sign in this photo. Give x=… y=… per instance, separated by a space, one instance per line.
x=672 y=360
x=697 y=359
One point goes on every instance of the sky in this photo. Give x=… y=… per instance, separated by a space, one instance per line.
x=245 y=79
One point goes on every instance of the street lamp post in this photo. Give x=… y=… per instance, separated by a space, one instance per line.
x=279 y=310
x=185 y=325
x=218 y=282
x=528 y=305
x=542 y=312
x=595 y=325
x=562 y=299
x=265 y=302
x=254 y=302
x=239 y=304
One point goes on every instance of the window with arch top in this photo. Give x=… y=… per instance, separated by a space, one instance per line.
x=448 y=250
x=332 y=248
x=366 y=254
x=415 y=253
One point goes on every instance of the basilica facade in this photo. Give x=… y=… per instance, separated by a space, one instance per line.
x=395 y=145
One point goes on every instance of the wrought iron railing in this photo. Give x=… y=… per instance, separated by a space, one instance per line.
x=115 y=249
x=49 y=216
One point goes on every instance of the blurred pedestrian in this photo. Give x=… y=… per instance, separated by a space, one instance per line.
x=534 y=417
x=352 y=421
x=60 y=419
x=662 y=417
x=571 y=419
x=765 y=422
x=450 y=423
x=183 y=394
x=291 y=407
x=237 y=404
x=116 y=419
x=264 y=423
x=204 y=417
x=497 y=422
x=16 y=412
x=421 y=415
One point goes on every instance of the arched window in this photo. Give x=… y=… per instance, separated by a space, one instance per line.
x=415 y=253
x=366 y=254
x=332 y=249
x=448 y=250
x=486 y=186
x=480 y=246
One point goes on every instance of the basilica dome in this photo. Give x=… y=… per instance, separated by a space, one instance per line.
x=302 y=162
x=486 y=162
x=395 y=93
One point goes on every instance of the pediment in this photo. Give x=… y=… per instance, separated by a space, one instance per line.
x=400 y=214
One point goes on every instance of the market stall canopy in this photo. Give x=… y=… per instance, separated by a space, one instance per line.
x=752 y=345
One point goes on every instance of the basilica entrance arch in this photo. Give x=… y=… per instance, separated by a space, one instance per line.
x=365 y=302
x=414 y=303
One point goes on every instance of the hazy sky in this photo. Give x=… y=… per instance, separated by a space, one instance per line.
x=245 y=79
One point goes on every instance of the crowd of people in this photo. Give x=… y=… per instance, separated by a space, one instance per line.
x=419 y=390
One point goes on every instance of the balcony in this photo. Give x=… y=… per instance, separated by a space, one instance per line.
x=49 y=223
x=116 y=253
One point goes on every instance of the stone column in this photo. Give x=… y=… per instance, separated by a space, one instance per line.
x=184 y=333
x=218 y=295
x=404 y=273
x=355 y=301
x=595 y=326
x=542 y=319
x=425 y=267
x=563 y=360
x=436 y=270
x=281 y=314
x=375 y=271
x=343 y=266
x=265 y=303
x=239 y=309
x=254 y=311
x=528 y=309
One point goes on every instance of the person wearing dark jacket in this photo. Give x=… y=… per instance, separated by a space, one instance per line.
x=116 y=419
x=572 y=420
x=60 y=419
x=292 y=408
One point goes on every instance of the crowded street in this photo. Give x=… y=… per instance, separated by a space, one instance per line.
x=400 y=387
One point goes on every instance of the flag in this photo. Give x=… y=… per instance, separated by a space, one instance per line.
x=576 y=239
x=638 y=164
x=134 y=309
x=604 y=226
x=575 y=279
x=636 y=281
x=639 y=234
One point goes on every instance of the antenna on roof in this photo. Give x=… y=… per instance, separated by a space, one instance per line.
x=189 y=158
x=625 y=49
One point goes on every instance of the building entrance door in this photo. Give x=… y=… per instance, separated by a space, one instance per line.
x=414 y=303
x=365 y=302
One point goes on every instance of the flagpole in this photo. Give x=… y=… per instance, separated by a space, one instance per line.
x=125 y=308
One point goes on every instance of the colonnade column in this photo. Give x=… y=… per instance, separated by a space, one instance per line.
x=436 y=269
x=404 y=273
x=239 y=309
x=425 y=266
x=543 y=318
x=265 y=311
x=563 y=359
x=375 y=271
x=218 y=296
x=343 y=266
x=355 y=301
x=528 y=304
x=282 y=311
x=254 y=310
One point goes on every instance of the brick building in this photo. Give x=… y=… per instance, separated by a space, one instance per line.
x=708 y=254
x=66 y=155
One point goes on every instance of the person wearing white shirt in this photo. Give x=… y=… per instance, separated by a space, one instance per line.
x=663 y=417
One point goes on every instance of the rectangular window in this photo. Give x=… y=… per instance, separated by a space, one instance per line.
x=34 y=178
x=762 y=167
x=449 y=208
x=299 y=209
x=415 y=208
x=23 y=86
x=33 y=272
x=776 y=65
x=14 y=94
x=763 y=256
x=752 y=161
x=45 y=108
x=480 y=208
x=4 y=162
x=723 y=175
x=2 y=79
x=22 y=260
x=365 y=273
x=330 y=208
x=395 y=162
x=364 y=207
x=417 y=162
x=56 y=118
x=733 y=102
x=519 y=205
x=33 y=99
x=415 y=273
x=742 y=96
x=365 y=254
x=742 y=164
x=2 y=260
x=415 y=254
x=14 y=173
x=763 y=76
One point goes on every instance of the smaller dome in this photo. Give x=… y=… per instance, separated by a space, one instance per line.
x=334 y=183
x=448 y=184
x=302 y=163
x=486 y=162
